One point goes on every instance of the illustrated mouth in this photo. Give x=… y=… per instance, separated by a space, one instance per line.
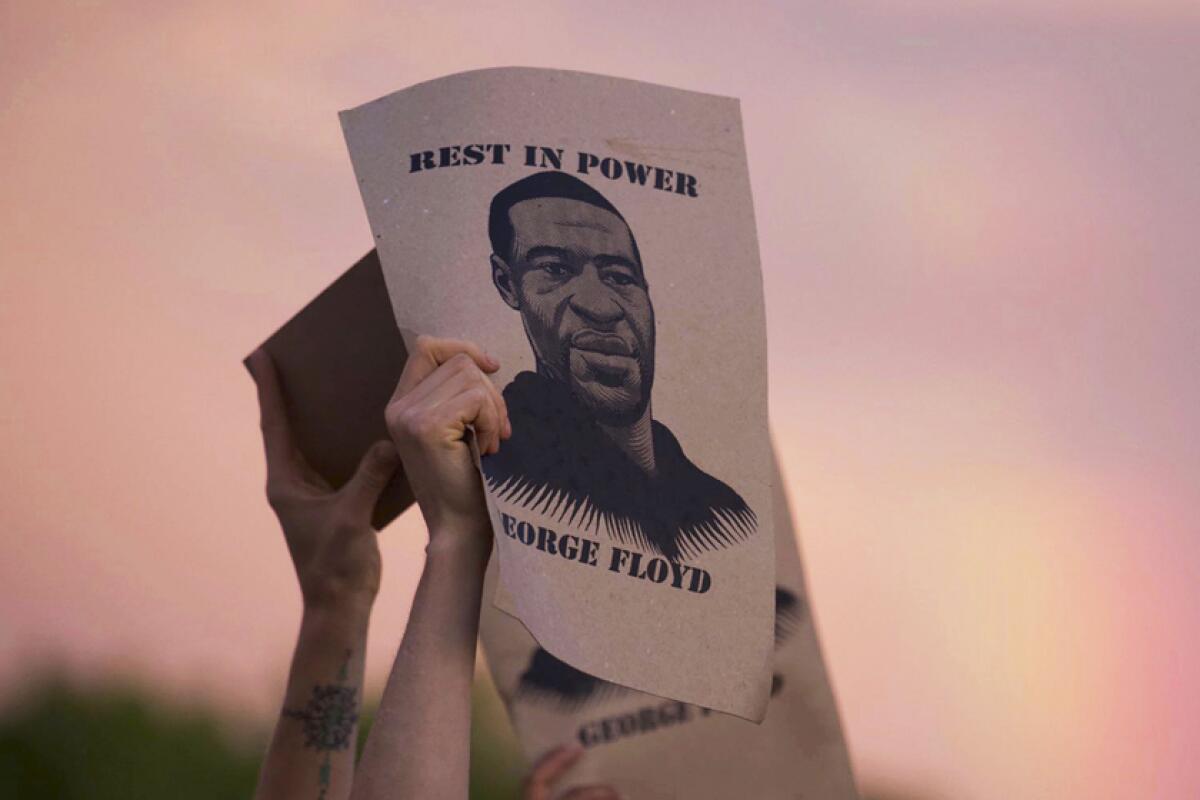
x=608 y=344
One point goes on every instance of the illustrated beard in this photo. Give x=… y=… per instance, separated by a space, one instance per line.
x=608 y=397
x=610 y=404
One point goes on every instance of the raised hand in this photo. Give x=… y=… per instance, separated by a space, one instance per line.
x=443 y=395
x=329 y=534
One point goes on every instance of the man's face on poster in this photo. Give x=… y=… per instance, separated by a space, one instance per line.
x=577 y=281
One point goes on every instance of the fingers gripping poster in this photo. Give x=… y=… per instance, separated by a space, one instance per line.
x=597 y=237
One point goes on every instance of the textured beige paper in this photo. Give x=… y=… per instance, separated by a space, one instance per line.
x=644 y=303
x=650 y=749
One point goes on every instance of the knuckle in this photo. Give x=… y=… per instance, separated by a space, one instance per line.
x=411 y=421
x=420 y=426
x=403 y=423
x=478 y=395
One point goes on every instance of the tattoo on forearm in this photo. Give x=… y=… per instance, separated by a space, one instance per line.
x=329 y=718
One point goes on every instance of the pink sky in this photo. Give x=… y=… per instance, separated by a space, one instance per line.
x=979 y=227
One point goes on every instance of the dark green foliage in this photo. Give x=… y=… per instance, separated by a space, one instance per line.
x=64 y=743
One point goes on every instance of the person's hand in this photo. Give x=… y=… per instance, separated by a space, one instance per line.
x=329 y=534
x=551 y=767
x=442 y=391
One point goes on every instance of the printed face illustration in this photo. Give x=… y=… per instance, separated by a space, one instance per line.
x=575 y=276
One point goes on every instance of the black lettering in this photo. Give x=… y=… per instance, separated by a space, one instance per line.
x=619 y=557
x=685 y=184
x=681 y=712
x=551 y=157
x=568 y=546
x=701 y=581
x=473 y=154
x=525 y=532
x=498 y=151
x=645 y=720
x=610 y=168
x=677 y=572
x=422 y=160
x=637 y=172
x=587 y=553
x=545 y=541
x=657 y=570
x=662 y=179
x=587 y=735
x=449 y=156
x=586 y=162
x=530 y=156
x=507 y=522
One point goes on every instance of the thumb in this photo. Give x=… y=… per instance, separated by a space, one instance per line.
x=374 y=471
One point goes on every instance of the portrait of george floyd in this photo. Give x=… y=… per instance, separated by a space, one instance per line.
x=616 y=280
x=586 y=449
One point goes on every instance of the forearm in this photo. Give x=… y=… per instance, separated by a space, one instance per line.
x=313 y=747
x=419 y=746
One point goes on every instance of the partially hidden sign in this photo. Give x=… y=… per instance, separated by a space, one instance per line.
x=651 y=748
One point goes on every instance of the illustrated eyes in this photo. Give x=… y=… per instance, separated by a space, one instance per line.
x=561 y=270
x=555 y=269
x=620 y=278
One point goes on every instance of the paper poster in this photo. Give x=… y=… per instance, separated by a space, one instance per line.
x=650 y=748
x=597 y=236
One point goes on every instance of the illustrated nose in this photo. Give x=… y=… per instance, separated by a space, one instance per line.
x=593 y=300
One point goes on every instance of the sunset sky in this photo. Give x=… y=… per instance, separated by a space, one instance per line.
x=980 y=228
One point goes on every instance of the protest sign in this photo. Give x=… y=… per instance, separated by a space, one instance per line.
x=597 y=236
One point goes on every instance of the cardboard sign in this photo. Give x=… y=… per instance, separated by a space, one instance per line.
x=338 y=362
x=597 y=236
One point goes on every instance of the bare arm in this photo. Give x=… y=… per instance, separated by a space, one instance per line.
x=312 y=749
x=419 y=746
x=333 y=548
